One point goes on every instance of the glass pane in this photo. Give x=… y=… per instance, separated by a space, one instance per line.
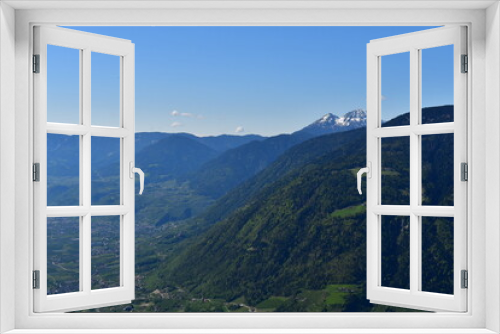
x=437 y=169
x=105 y=90
x=63 y=170
x=63 y=255
x=437 y=84
x=396 y=252
x=437 y=254
x=395 y=162
x=63 y=85
x=105 y=252
x=395 y=104
x=105 y=171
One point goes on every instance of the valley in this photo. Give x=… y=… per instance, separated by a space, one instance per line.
x=255 y=224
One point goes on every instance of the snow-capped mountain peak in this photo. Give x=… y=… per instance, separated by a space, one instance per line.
x=328 y=118
x=357 y=116
x=331 y=123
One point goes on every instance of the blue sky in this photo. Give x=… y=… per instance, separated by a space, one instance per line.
x=264 y=80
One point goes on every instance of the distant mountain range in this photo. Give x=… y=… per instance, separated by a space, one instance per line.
x=219 y=143
x=233 y=167
x=213 y=165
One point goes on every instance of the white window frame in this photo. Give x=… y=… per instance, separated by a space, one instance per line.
x=483 y=21
x=86 y=44
x=414 y=43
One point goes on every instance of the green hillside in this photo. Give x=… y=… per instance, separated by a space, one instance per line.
x=306 y=231
x=291 y=238
x=284 y=241
x=337 y=144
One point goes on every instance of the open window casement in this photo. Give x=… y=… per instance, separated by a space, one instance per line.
x=71 y=224
x=411 y=213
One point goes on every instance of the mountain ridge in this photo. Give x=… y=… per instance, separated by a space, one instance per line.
x=331 y=123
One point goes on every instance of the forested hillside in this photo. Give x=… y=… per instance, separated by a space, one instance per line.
x=274 y=224
x=305 y=228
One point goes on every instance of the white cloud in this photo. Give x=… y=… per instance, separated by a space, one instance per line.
x=176 y=113
x=176 y=124
x=239 y=129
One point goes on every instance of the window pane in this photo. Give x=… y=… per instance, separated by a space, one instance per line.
x=105 y=252
x=63 y=85
x=395 y=92
x=396 y=252
x=437 y=254
x=105 y=171
x=63 y=170
x=63 y=255
x=395 y=162
x=105 y=90
x=437 y=84
x=437 y=169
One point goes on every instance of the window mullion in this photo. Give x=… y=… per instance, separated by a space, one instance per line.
x=81 y=202
x=85 y=167
x=415 y=183
x=85 y=244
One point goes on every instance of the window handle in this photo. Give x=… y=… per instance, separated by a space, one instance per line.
x=141 y=175
x=368 y=171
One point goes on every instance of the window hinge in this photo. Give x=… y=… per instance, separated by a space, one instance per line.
x=465 y=64
x=36 y=172
x=464 y=171
x=36 y=279
x=36 y=63
x=465 y=279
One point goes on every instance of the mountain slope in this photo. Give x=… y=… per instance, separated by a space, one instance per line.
x=144 y=139
x=295 y=157
x=275 y=243
x=229 y=169
x=172 y=157
x=223 y=143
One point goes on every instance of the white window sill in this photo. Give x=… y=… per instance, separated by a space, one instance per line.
x=251 y=331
